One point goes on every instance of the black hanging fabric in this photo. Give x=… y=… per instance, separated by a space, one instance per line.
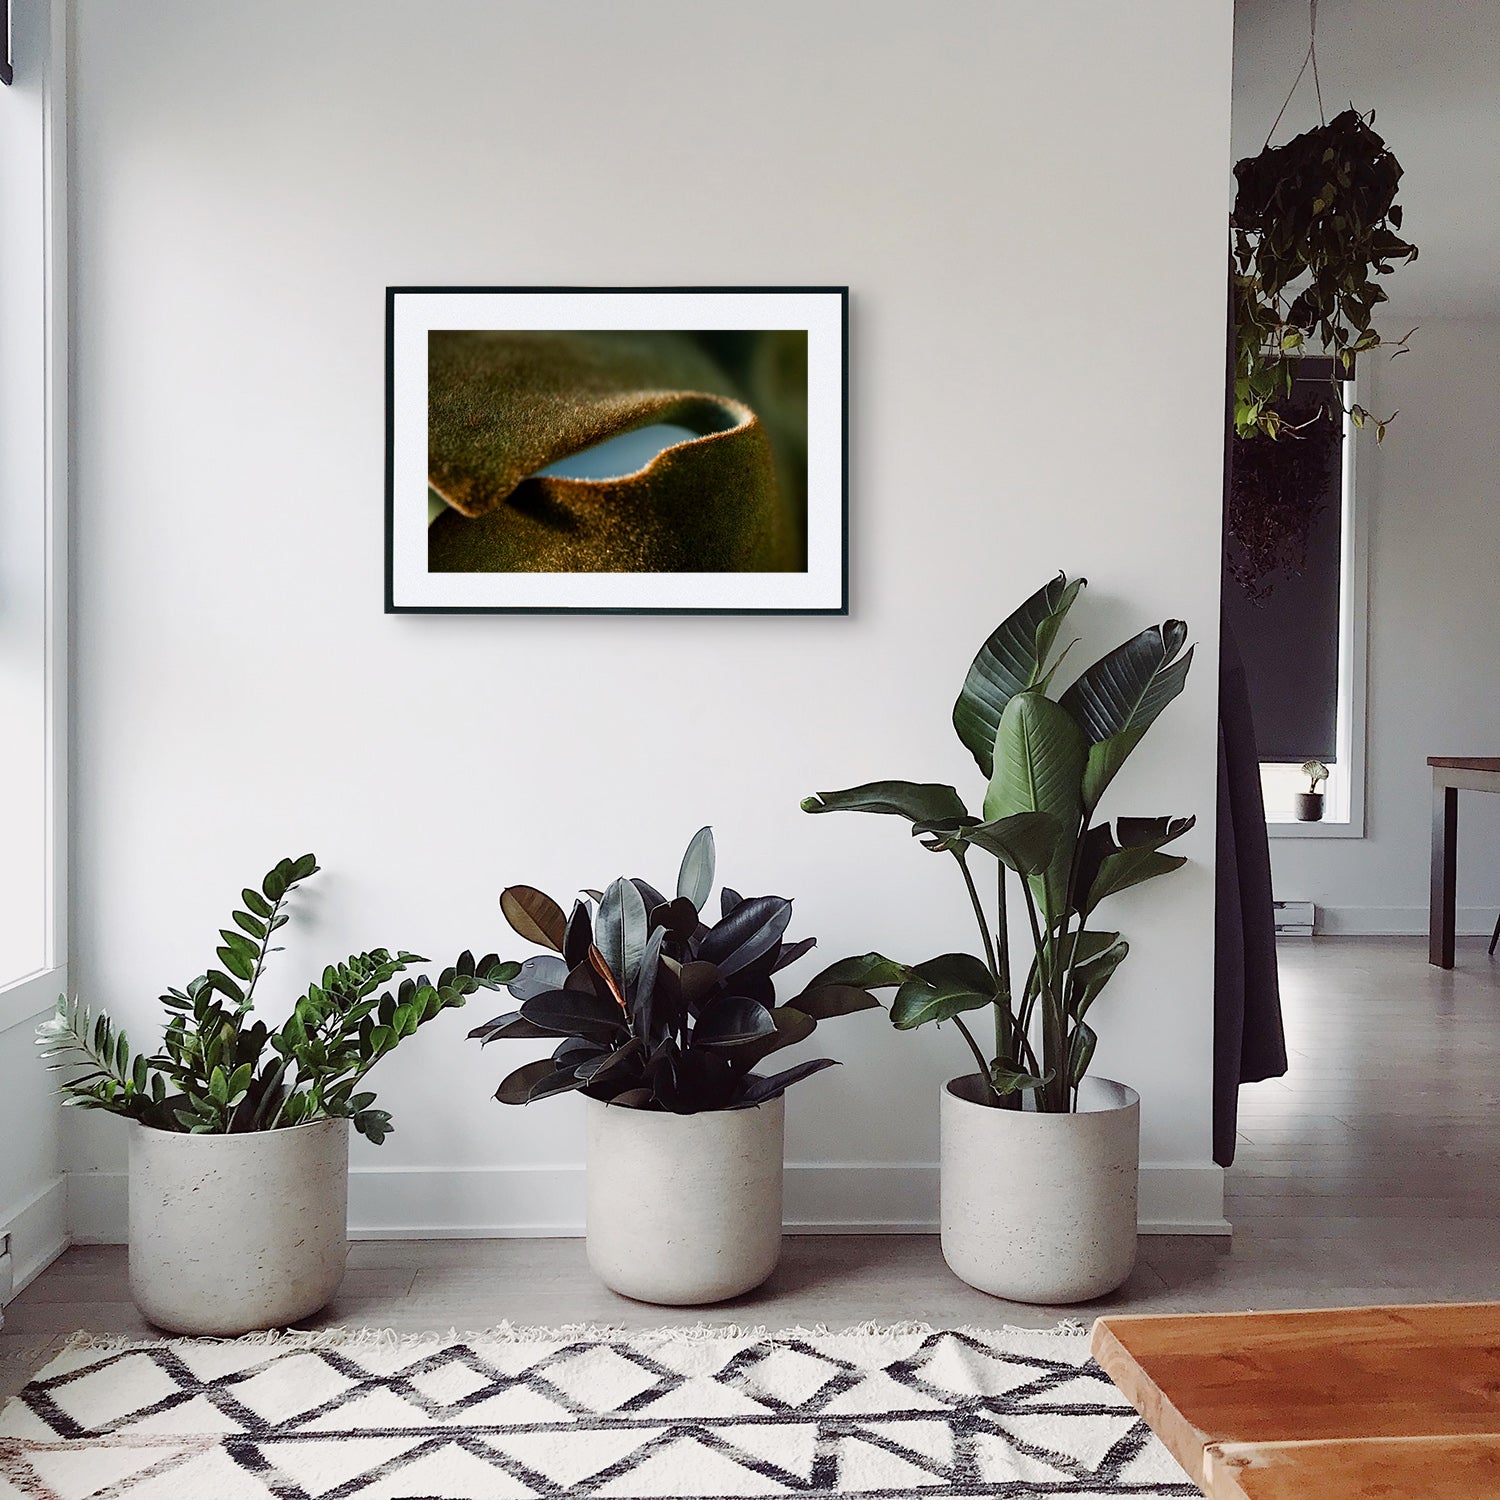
x=1249 y=1043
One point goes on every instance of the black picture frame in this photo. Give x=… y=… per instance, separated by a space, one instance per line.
x=832 y=579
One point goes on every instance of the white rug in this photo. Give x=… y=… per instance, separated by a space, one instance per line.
x=873 y=1412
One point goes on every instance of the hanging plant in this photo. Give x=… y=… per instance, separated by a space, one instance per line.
x=1314 y=225
x=1278 y=492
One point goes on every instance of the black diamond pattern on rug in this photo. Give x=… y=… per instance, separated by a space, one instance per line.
x=681 y=1414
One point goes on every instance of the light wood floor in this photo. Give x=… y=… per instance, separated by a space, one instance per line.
x=1370 y=1173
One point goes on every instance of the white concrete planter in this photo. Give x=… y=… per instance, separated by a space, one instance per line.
x=230 y=1233
x=684 y=1209
x=1041 y=1207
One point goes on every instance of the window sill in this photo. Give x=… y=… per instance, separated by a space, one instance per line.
x=1327 y=828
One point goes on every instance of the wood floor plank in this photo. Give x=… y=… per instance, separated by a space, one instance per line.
x=1430 y=1467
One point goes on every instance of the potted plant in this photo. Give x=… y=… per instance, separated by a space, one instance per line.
x=663 y=1020
x=1309 y=804
x=1314 y=224
x=239 y=1135
x=1039 y=1160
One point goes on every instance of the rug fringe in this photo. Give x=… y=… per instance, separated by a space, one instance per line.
x=292 y=1339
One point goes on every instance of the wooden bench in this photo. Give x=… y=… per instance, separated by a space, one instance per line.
x=1340 y=1404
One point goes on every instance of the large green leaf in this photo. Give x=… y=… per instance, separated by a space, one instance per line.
x=1099 y=955
x=940 y=989
x=695 y=878
x=920 y=801
x=1114 y=859
x=1118 y=698
x=1011 y=661
x=1024 y=842
x=828 y=1000
x=868 y=971
x=1080 y=1052
x=1040 y=756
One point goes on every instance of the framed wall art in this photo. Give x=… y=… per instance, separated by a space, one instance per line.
x=671 y=450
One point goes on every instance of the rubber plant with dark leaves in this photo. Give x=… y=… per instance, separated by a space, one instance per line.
x=223 y=1072
x=1048 y=762
x=657 y=1009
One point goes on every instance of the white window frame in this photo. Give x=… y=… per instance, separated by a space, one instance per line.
x=29 y=995
x=1344 y=792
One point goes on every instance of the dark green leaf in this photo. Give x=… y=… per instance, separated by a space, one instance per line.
x=825 y=1001
x=1080 y=1052
x=792 y=1026
x=516 y=1089
x=578 y=936
x=789 y=953
x=1113 y=860
x=573 y=1013
x=547 y=971
x=1039 y=763
x=728 y=1020
x=621 y=931
x=920 y=802
x=1118 y=698
x=757 y=1090
x=940 y=989
x=695 y=878
x=1025 y=842
x=749 y=931
x=1005 y=1078
x=1011 y=661
x=869 y=971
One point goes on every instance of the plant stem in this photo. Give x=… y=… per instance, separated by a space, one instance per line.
x=984 y=930
x=1052 y=1059
x=1005 y=1020
x=984 y=1067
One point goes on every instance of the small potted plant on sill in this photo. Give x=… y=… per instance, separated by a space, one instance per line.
x=239 y=1135
x=1309 y=804
x=1040 y=1161
x=663 y=1019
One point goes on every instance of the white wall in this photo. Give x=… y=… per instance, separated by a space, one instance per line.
x=1434 y=666
x=1028 y=204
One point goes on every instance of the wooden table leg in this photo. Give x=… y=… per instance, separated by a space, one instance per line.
x=1443 y=898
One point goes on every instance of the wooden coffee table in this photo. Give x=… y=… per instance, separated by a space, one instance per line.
x=1330 y=1405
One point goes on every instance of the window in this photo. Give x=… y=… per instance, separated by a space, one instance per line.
x=1295 y=597
x=33 y=544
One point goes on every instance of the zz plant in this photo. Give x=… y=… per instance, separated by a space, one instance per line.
x=657 y=1009
x=1048 y=762
x=221 y=1071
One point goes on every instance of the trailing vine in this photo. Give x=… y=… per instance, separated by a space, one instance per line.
x=1314 y=222
x=1314 y=225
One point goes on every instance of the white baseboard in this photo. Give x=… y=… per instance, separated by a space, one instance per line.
x=537 y=1202
x=38 y=1229
x=1399 y=921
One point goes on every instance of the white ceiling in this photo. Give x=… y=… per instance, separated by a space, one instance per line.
x=1431 y=71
